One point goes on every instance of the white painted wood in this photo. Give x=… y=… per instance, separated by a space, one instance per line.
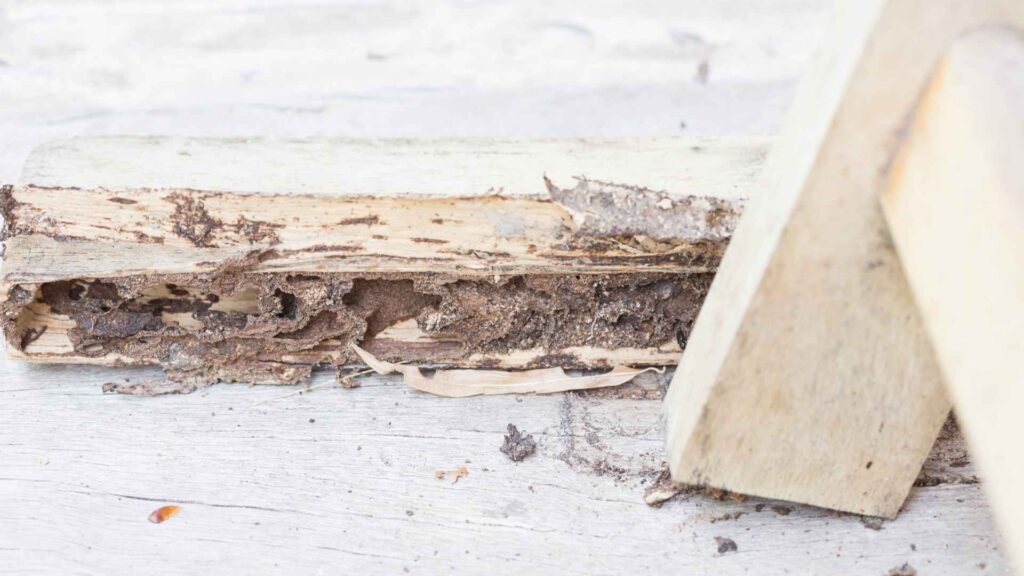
x=81 y=471
x=808 y=359
x=264 y=490
x=398 y=167
x=441 y=68
x=956 y=201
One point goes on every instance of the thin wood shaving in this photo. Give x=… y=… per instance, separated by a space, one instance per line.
x=462 y=383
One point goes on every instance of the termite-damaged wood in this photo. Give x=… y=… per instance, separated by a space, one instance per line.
x=219 y=286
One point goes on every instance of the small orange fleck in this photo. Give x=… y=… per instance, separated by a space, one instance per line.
x=463 y=471
x=163 y=513
x=439 y=474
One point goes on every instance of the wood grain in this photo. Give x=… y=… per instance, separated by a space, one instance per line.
x=345 y=479
x=270 y=490
x=808 y=356
x=445 y=216
x=971 y=212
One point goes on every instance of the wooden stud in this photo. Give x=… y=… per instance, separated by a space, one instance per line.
x=809 y=376
x=955 y=206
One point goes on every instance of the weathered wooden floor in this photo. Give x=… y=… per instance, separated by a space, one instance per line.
x=337 y=479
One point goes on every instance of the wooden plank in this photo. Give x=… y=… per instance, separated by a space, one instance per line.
x=455 y=267
x=408 y=71
x=66 y=449
x=956 y=199
x=808 y=376
x=721 y=167
x=265 y=489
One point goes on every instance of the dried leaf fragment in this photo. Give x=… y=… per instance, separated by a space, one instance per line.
x=163 y=513
x=462 y=383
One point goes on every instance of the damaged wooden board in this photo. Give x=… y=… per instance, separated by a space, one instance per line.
x=171 y=258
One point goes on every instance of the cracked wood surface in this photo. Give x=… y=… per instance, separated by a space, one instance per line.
x=264 y=490
x=339 y=479
x=600 y=273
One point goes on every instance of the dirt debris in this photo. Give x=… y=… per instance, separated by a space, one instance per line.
x=662 y=489
x=346 y=376
x=725 y=545
x=235 y=325
x=904 y=570
x=517 y=445
x=150 y=388
x=31 y=335
x=872 y=523
x=719 y=494
x=727 y=517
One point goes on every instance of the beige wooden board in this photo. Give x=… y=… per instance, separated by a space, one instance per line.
x=723 y=168
x=484 y=196
x=441 y=208
x=242 y=68
x=808 y=357
x=969 y=213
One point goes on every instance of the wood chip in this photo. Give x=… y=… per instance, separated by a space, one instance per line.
x=164 y=513
x=462 y=383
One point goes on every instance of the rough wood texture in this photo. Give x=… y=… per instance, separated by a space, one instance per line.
x=346 y=480
x=218 y=285
x=972 y=113
x=808 y=357
x=276 y=494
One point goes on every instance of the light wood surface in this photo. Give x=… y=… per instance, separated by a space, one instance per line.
x=262 y=489
x=956 y=198
x=384 y=167
x=504 y=209
x=808 y=357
